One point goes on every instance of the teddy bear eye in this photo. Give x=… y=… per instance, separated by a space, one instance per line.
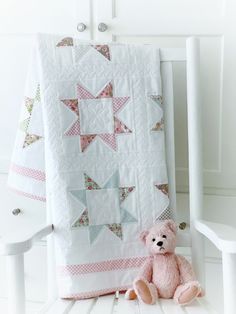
x=153 y=240
x=164 y=236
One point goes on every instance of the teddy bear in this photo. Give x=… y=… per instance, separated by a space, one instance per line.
x=164 y=274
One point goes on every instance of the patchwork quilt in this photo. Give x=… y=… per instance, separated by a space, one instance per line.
x=91 y=144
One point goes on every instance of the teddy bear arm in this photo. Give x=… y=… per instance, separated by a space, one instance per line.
x=146 y=270
x=185 y=269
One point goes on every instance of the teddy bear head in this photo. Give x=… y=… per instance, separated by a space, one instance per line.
x=161 y=238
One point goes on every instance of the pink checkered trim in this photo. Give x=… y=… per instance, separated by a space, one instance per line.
x=28 y=172
x=95 y=293
x=83 y=93
x=73 y=270
x=118 y=103
x=74 y=129
x=109 y=139
x=32 y=196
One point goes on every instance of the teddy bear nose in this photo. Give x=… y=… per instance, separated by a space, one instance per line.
x=159 y=243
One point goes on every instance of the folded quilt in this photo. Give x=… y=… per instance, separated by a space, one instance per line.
x=91 y=143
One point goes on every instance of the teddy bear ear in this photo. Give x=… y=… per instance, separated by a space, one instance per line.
x=143 y=236
x=171 y=225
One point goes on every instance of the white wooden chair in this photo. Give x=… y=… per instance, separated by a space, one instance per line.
x=224 y=237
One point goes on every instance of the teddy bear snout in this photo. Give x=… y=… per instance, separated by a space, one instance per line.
x=160 y=243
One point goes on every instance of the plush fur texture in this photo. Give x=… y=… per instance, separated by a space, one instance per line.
x=164 y=274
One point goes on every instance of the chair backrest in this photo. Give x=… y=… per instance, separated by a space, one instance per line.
x=188 y=238
x=190 y=55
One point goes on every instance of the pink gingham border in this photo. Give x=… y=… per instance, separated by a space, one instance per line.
x=80 y=269
x=95 y=293
x=32 y=196
x=28 y=172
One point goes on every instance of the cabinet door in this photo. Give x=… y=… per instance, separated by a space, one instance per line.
x=168 y=23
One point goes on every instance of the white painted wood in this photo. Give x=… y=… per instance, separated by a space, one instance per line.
x=196 y=308
x=150 y=309
x=121 y=306
x=169 y=306
x=104 y=305
x=229 y=282
x=168 y=101
x=21 y=241
x=195 y=153
x=16 y=284
x=59 y=307
x=222 y=236
x=84 y=307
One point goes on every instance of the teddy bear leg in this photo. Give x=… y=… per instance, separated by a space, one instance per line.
x=187 y=292
x=147 y=292
x=130 y=294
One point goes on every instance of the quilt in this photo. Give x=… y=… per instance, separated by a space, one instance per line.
x=91 y=144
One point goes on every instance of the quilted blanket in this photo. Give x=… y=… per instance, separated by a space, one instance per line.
x=91 y=143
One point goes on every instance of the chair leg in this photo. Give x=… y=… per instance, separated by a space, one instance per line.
x=229 y=282
x=16 y=284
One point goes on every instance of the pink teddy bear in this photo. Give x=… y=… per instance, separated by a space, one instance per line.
x=164 y=274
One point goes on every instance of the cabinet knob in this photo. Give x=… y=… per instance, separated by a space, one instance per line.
x=16 y=211
x=81 y=27
x=182 y=225
x=102 y=27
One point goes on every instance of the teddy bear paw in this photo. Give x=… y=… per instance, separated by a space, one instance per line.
x=146 y=292
x=186 y=293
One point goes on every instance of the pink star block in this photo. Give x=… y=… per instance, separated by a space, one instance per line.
x=108 y=138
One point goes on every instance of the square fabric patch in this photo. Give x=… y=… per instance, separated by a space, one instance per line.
x=101 y=136
x=108 y=203
x=96 y=116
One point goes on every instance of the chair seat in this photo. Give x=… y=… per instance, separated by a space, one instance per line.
x=116 y=303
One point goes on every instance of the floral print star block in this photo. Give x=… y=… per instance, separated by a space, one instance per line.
x=24 y=125
x=103 y=206
x=97 y=117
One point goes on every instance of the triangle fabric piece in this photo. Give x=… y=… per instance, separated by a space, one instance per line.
x=24 y=125
x=37 y=95
x=116 y=229
x=157 y=99
x=113 y=182
x=86 y=140
x=74 y=129
x=120 y=127
x=166 y=214
x=124 y=192
x=109 y=139
x=90 y=184
x=30 y=139
x=126 y=216
x=80 y=195
x=67 y=41
x=80 y=51
x=94 y=232
x=104 y=50
x=72 y=104
x=107 y=92
x=83 y=220
x=159 y=126
x=118 y=103
x=163 y=188
x=29 y=102
x=83 y=93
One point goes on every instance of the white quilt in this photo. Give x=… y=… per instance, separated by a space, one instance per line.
x=92 y=129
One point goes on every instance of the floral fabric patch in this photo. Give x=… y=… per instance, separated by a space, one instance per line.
x=24 y=125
